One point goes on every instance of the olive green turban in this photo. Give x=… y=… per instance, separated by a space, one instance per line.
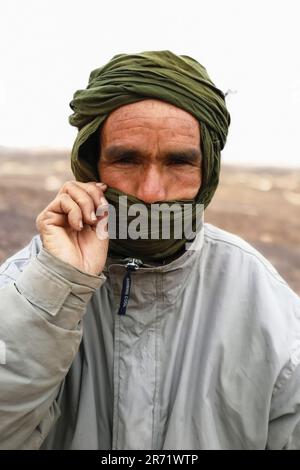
x=162 y=75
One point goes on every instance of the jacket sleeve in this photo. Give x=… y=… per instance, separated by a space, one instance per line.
x=284 y=427
x=40 y=332
x=284 y=417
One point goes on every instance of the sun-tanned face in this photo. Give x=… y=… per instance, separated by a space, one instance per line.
x=151 y=150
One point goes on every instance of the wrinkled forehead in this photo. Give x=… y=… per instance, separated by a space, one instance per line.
x=150 y=108
x=150 y=115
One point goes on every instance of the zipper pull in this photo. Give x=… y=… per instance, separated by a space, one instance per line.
x=132 y=265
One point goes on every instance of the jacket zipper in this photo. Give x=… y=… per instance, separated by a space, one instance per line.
x=132 y=265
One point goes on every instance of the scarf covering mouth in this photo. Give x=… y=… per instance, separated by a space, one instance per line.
x=129 y=78
x=150 y=232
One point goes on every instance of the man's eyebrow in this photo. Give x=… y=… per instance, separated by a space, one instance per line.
x=117 y=151
x=188 y=155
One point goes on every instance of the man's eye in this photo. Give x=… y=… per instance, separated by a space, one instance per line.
x=125 y=161
x=179 y=162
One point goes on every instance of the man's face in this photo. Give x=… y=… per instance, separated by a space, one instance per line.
x=151 y=150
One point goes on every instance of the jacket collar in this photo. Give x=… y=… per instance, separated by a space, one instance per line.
x=185 y=259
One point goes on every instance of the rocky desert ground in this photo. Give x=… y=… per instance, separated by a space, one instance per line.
x=262 y=205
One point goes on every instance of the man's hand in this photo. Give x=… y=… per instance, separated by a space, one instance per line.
x=68 y=226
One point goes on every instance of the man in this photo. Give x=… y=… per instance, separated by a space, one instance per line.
x=145 y=344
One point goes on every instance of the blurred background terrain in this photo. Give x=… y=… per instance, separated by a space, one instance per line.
x=262 y=205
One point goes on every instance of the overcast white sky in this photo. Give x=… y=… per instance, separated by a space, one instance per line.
x=48 y=48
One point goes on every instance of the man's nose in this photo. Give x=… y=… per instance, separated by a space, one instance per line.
x=151 y=187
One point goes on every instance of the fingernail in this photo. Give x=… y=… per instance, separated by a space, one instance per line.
x=102 y=209
x=93 y=216
x=101 y=184
x=80 y=224
x=103 y=201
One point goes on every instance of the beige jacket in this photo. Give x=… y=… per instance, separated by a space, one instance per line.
x=206 y=357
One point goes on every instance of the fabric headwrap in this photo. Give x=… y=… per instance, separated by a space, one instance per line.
x=162 y=75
